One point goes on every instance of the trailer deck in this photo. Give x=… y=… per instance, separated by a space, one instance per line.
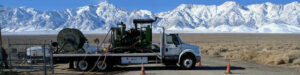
x=109 y=54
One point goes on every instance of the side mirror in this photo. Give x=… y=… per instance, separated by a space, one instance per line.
x=176 y=43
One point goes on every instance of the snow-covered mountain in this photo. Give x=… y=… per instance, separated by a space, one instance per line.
x=227 y=17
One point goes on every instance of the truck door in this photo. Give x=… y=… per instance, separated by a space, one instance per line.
x=173 y=45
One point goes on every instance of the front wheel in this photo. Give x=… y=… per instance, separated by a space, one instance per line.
x=187 y=62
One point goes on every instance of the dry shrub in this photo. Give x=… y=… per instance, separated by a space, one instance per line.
x=275 y=59
x=213 y=52
x=263 y=57
x=248 y=54
x=210 y=51
x=294 y=56
x=297 y=48
x=296 y=62
x=223 y=49
x=231 y=55
x=204 y=51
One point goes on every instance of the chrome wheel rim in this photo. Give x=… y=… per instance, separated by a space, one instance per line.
x=188 y=63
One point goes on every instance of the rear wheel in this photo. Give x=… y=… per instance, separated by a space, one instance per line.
x=83 y=65
x=103 y=66
x=187 y=62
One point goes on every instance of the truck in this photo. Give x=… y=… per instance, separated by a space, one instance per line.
x=170 y=50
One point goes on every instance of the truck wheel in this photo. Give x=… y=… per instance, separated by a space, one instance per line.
x=103 y=66
x=82 y=65
x=187 y=62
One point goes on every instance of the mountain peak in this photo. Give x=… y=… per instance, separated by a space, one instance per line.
x=294 y=3
x=23 y=7
x=269 y=3
x=104 y=3
x=27 y=8
x=185 y=6
x=229 y=3
x=143 y=12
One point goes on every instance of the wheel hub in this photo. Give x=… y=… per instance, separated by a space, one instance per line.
x=100 y=66
x=83 y=65
x=188 y=62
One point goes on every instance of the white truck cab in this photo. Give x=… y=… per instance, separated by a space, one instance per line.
x=175 y=52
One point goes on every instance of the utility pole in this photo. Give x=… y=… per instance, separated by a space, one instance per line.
x=1 y=10
x=1 y=61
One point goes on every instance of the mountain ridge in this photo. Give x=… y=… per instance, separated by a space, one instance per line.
x=229 y=17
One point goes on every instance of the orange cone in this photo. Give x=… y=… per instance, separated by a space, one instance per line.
x=228 y=68
x=199 y=63
x=143 y=70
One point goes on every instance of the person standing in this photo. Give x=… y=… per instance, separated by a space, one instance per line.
x=4 y=57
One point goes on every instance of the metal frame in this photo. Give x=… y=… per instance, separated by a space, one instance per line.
x=44 y=45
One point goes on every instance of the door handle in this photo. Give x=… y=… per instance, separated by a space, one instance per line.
x=167 y=50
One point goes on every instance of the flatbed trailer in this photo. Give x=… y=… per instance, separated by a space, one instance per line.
x=65 y=58
x=110 y=59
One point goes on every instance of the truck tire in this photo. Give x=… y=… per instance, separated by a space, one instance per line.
x=83 y=65
x=104 y=67
x=187 y=62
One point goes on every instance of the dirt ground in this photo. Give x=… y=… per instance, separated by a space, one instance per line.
x=269 y=50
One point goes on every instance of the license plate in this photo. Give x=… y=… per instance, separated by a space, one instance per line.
x=134 y=60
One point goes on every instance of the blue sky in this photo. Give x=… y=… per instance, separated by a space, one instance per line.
x=152 y=5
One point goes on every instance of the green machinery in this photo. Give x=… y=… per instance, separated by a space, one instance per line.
x=137 y=39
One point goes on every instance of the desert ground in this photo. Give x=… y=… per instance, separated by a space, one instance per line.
x=250 y=54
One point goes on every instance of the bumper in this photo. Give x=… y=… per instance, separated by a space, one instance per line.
x=198 y=58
